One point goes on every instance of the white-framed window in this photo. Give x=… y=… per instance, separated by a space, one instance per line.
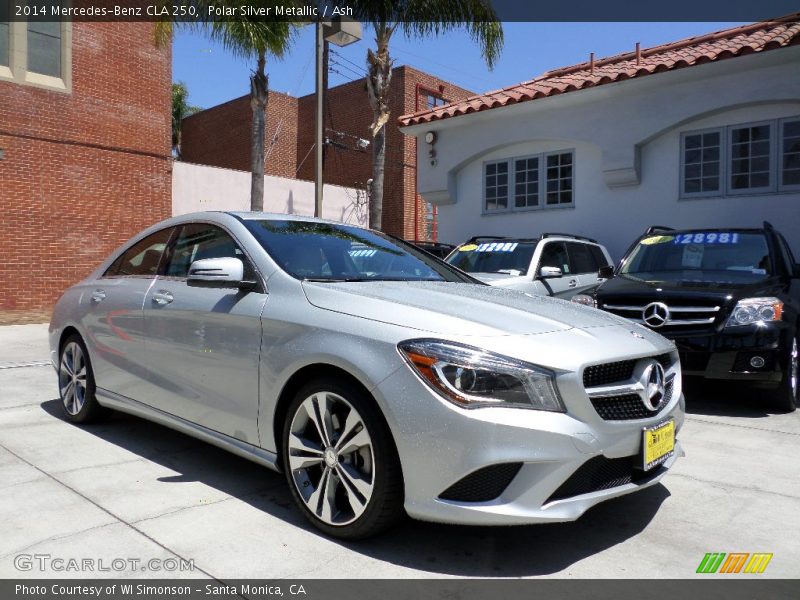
x=750 y=148
x=495 y=185
x=526 y=182
x=559 y=178
x=790 y=154
x=530 y=182
x=5 y=36
x=702 y=158
x=36 y=52
x=746 y=158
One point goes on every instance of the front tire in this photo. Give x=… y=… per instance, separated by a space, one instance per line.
x=76 y=383
x=340 y=461
x=785 y=397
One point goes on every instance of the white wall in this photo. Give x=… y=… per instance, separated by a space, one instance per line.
x=626 y=138
x=200 y=187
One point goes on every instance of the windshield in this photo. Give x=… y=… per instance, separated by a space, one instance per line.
x=701 y=255
x=509 y=257
x=316 y=251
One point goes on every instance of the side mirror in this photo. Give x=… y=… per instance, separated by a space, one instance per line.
x=550 y=273
x=227 y=272
x=606 y=272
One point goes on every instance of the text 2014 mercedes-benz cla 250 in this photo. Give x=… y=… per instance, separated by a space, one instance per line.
x=376 y=377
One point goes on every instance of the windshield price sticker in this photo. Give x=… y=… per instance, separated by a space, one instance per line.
x=711 y=237
x=498 y=247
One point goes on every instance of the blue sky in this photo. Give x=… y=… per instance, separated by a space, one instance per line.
x=214 y=76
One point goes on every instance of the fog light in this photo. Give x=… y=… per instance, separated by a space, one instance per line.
x=757 y=362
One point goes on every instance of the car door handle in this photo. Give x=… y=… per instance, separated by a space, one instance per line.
x=163 y=297
x=573 y=283
x=98 y=296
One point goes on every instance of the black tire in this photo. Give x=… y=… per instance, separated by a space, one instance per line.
x=785 y=397
x=385 y=505
x=89 y=410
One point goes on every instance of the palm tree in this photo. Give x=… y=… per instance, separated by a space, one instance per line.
x=246 y=38
x=415 y=18
x=180 y=110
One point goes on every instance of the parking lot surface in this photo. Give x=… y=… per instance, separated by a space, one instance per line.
x=131 y=490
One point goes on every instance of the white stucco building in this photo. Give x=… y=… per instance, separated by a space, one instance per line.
x=701 y=132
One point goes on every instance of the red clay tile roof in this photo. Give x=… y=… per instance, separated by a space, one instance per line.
x=729 y=43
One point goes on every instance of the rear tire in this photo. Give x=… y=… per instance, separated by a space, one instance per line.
x=340 y=460
x=785 y=397
x=76 y=386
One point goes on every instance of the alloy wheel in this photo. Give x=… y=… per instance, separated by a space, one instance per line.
x=72 y=378
x=331 y=458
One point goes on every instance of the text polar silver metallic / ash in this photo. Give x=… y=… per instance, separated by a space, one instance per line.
x=216 y=362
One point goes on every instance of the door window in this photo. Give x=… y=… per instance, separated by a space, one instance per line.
x=141 y=259
x=201 y=240
x=581 y=259
x=554 y=254
x=599 y=258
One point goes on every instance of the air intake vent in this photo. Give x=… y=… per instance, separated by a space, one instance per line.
x=482 y=485
x=601 y=473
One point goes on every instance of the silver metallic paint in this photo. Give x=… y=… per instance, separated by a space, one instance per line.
x=218 y=374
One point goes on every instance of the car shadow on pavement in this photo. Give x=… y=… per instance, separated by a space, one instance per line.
x=434 y=548
x=724 y=399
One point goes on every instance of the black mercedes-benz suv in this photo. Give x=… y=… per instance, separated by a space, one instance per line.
x=729 y=298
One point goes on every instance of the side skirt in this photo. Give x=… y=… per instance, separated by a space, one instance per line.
x=123 y=404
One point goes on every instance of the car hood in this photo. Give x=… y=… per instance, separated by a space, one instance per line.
x=460 y=309
x=668 y=285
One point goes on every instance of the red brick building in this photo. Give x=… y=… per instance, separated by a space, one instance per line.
x=220 y=136
x=85 y=155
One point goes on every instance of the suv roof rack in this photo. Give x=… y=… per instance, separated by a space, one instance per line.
x=569 y=235
x=657 y=228
x=476 y=238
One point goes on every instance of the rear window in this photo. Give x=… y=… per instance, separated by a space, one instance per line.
x=501 y=256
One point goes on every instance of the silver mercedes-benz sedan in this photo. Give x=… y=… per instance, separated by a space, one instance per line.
x=379 y=379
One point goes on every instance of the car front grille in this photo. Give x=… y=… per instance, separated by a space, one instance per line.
x=482 y=485
x=601 y=473
x=608 y=373
x=630 y=406
x=694 y=315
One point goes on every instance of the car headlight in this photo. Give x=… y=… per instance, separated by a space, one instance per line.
x=584 y=299
x=473 y=378
x=754 y=311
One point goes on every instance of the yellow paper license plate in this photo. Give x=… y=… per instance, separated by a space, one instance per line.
x=659 y=444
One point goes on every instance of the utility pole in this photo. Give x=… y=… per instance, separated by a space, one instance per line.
x=319 y=125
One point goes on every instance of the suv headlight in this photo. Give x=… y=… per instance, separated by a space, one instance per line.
x=755 y=310
x=473 y=378
x=584 y=299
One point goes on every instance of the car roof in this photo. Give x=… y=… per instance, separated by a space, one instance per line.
x=545 y=236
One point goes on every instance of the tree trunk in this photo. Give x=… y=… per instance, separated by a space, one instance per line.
x=379 y=77
x=259 y=87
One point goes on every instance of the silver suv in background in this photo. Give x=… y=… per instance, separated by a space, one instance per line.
x=554 y=264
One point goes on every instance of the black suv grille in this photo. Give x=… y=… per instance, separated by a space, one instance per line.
x=601 y=473
x=482 y=485
x=614 y=372
x=629 y=406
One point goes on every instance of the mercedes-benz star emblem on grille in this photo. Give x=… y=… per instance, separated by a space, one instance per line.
x=655 y=314
x=652 y=381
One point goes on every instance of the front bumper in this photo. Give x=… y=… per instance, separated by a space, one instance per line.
x=440 y=444
x=726 y=354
